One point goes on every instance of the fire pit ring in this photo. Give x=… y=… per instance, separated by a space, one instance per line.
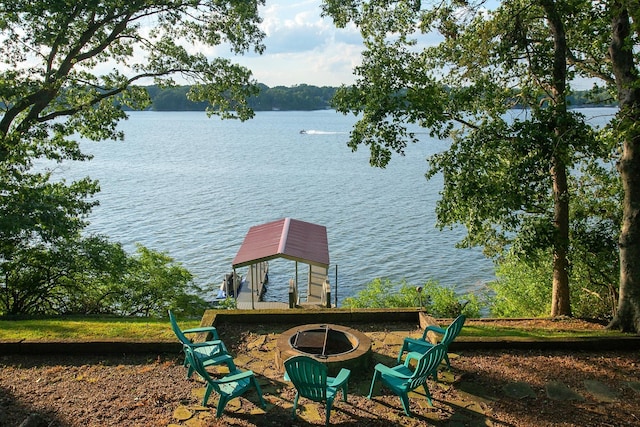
x=335 y=346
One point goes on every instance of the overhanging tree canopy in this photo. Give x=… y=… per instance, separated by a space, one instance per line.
x=67 y=69
x=503 y=178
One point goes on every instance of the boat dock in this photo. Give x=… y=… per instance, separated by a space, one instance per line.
x=298 y=241
x=253 y=287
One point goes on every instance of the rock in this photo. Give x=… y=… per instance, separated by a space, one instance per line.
x=182 y=414
x=518 y=390
x=600 y=391
x=559 y=391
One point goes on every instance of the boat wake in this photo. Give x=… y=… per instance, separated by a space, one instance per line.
x=320 y=132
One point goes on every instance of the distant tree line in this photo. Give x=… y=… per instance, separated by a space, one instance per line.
x=306 y=98
x=301 y=98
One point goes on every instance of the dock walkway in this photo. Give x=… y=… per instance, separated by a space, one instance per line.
x=244 y=301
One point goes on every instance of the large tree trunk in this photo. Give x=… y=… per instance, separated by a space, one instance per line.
x=560 y=301
x=627 y=317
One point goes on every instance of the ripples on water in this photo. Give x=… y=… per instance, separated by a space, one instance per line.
x=192 y=186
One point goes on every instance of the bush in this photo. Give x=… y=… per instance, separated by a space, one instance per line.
x=382 y=293
x=65 y=276
x=227 y=304
x=437 y=300
x=92 y=275
x=445 y=302
x=153 y=284
x=523 y=288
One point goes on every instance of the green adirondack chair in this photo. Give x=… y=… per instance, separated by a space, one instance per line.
x=402 y=379
x=208 y=352
x=421 y=345
x=228 y=387
x=310 y=379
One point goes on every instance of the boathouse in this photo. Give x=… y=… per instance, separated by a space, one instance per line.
x=302 y=242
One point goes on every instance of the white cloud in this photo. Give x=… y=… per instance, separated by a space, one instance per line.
x=303 y=47
x=330 y=66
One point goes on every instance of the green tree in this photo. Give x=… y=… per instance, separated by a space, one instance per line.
x=67 y=276
x=53 y=92
x=624 y=55
x=88 y=289
x=92 y=275
x=523 y=288
x=40 y=244
x=153 y=284
x=604 y=45
x=506 y=173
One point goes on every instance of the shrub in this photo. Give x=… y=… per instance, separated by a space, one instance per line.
x=382 y=293
x=438 y=300
x=92 y=275
x=445 y=302
x=523 y=288
x=227 y=304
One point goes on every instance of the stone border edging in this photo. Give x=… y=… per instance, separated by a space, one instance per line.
x=219 y=317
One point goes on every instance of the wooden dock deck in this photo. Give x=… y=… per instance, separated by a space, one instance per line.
x=244 y=301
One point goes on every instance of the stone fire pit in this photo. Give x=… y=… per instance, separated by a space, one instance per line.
x=334 y=345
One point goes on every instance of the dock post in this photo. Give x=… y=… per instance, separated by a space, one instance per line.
x=327 y=293
x=293 y=294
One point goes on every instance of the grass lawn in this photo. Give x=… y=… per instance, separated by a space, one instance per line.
x=532 y=333
x=91 y=329
x=159 y=330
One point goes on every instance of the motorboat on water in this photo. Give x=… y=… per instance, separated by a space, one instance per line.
x=227 y=288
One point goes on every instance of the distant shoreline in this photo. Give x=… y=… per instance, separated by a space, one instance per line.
x=311 y=98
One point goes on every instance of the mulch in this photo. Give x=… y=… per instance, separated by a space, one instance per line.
x=145 y=390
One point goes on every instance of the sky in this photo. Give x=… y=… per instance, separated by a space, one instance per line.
x=302 y=47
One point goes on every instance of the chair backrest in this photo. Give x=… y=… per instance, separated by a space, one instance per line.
x=196 y=363
x=176 y=329
x=427 y=364
x=199 y=368
x=453 y=330
x=308 y=376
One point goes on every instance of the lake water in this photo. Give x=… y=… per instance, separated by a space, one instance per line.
x=191 y=186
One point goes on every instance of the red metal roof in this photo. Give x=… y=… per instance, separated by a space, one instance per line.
x=285 y=238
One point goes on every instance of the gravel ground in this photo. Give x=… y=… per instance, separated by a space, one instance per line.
x=145 y=390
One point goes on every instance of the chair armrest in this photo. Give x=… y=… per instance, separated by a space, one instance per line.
x=383 y=369
x=432 y=328
x=343 y=377
x=211 y=329
x=205 y=344
x=236 y=376
x=412 y=355
x=419 y=342
x=436 y=329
